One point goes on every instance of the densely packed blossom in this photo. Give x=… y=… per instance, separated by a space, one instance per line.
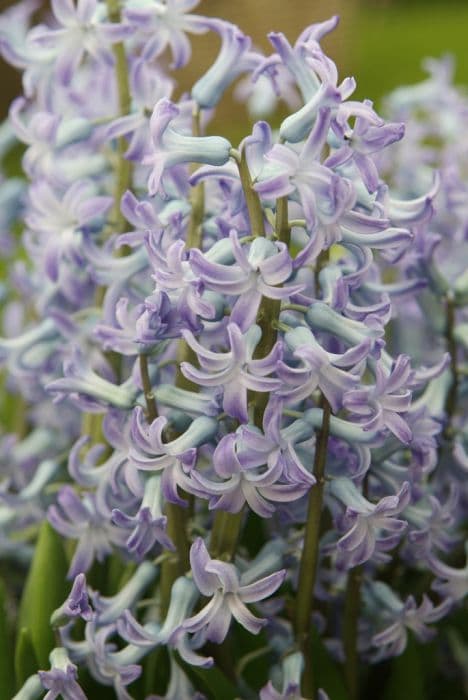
x=237 y=371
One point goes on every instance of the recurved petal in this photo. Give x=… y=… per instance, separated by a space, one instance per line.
x=263 y=588
x=199 y=559
x=244 y=616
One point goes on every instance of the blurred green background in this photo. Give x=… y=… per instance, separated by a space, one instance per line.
x=380 y=42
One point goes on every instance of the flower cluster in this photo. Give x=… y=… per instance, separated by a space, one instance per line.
x=224 y=414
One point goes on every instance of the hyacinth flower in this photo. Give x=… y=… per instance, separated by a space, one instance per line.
x=14 y=25
x=169 y=147
x=175 y=277
x=381 y=406
x=88 y=388
x=233 y=59
x=370 y=134
x=320 y=369
x=260 y=272
x=148 y=526
x=221 y=581
x=148 y=86
x=165 y=23
x=237 y=458
x=291 y=672
x=175 y=458
x=76 y=605
x=451 y=582
x=432 y=524
x=67 y=218
x=324 y=195
x=107 y=665
x=62 y=679
x=85 y=521
x=109 y=610
x=401 y=617
x=295 y=58
x=235 y=370
x=79 y=33
x=137 y=330
x=365 y=523
x=172 y=632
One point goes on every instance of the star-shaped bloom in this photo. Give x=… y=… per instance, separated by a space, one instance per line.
x=259 y=271
x=365 y=522
x=235 y=370
x=220 y=581
x=319 y=368
x=80 y=32
x=325 y=195
x=380 y=406
x=88 y=521
x=175 y=458
x=400 y=617
x=163 y=23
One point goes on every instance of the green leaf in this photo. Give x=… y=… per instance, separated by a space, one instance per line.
x=6 y=657
x=328 y=673
x=26 y=663
x=407 y=673
x=253 y=656
x=211 y=681
x=156 y=672
x=45 y=590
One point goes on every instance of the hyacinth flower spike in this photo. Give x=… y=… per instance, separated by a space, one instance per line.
x=211 y=370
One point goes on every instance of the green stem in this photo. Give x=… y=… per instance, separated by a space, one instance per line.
x=91 y=422
x=452 y=396
x=225 y=534
x=124 y=167
x=350 y=631
x=91 y=425
x=254 y=206
x=269 y=311
x=227 y=526
x=295 y=307
x=178 y=517
x=310 y=555
x=282 y=227
x=197 y=197
x=20 y=422
x=151 y=408
x=176 y=566
x=321 y=261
